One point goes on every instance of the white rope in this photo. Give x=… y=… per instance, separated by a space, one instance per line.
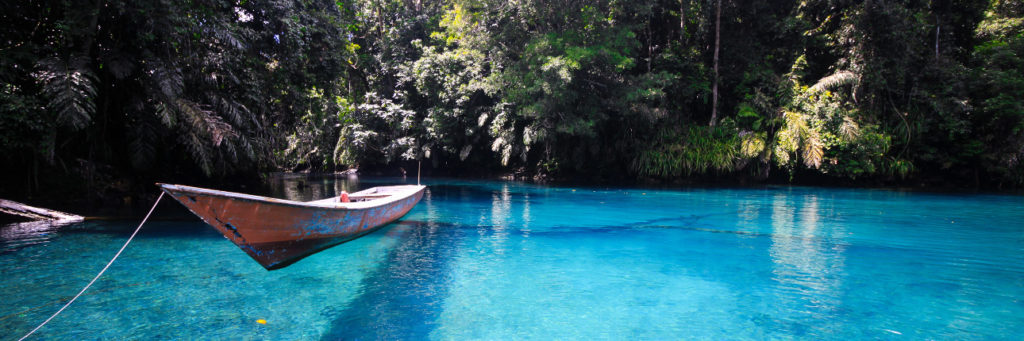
x=101 y=271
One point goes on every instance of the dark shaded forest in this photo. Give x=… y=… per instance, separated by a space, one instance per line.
x=102 y=97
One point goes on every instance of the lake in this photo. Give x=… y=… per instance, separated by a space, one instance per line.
x=513 y=260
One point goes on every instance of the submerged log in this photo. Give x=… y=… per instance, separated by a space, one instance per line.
x=36 y=213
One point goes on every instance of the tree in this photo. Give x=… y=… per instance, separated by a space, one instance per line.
x=714 y=84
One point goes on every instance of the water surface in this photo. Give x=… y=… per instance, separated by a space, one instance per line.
x=507 y=260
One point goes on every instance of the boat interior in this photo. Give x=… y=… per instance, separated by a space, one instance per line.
x=366 y=195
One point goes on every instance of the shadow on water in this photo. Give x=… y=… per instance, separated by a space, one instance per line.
x=403 y=297
x=17 y=236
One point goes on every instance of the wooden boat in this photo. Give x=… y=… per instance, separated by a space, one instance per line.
x=278 y=232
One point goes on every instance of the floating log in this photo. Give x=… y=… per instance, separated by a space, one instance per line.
x=36 y=213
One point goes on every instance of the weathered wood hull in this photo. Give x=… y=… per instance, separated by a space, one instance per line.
x=277 y=232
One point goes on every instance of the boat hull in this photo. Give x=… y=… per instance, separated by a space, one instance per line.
x=277 y=233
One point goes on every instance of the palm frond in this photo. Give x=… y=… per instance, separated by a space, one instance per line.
x=849 y=129
x=227 y=37
x=168 y=81
x=839 y=78
x=201 y=155
x=231 y=109
x=247 y=148
x=70 y=87
x=813 y=150
x=166 y=114
x=204 y=120
x=142 y=143
x=228 y=147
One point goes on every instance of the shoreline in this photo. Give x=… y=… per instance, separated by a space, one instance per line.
x=128 y=203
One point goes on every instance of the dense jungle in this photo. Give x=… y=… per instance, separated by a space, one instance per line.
x=101 y=98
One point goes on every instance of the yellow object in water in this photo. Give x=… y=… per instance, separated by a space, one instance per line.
x=261 y=321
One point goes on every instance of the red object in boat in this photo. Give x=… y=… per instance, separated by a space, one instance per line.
x=278 y=232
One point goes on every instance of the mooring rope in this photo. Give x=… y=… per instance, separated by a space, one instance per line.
x=101 y=271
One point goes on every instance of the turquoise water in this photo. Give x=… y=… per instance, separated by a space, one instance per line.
x=506 y=260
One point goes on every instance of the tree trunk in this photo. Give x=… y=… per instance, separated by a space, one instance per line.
x=92 y=29
x=36 y=213
x=937 y=27
x=650 y=43
x=682 y=21
x=714 y=84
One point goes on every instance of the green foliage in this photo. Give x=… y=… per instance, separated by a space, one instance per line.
x=382 y=132
x=880 y=90
x=558 y=84
x=998 y=89
x=317 y=130
x=205 y=84
x=24 y=126
x=693 y=150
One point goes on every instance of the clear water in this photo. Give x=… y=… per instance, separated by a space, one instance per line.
x=505 y=260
